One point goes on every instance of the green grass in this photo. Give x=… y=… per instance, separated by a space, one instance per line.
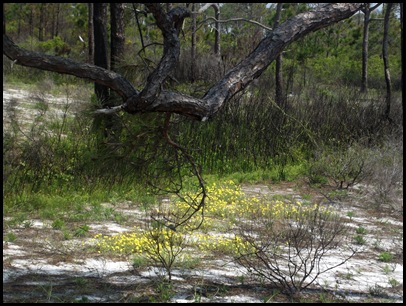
x=361 y=230
x=385 y=257
x=359 y=240
x=56 y=205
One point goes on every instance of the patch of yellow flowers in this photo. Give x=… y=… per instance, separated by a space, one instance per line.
x=226 y=202
x=154 y=241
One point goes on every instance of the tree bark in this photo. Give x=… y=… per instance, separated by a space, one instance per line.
x=117 y=34
x=217 y=33
x=193 y=46
x=41 y=22
x=91 y=34
x=113 y=123
x=278 y=69
x=152 y=98
x=386 y=61
x=365 y=40
x=100 y=48
x=364 y=79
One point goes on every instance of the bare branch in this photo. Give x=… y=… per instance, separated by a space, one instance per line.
x=109 y=111
x=240 y=19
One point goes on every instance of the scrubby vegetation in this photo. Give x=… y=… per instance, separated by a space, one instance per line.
x=59 y=165
x=279 y=241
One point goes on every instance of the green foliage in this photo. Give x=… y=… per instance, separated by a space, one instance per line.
x=58 y=224
x=344 y=167
x=52 y=46
x=360 y=240
x=385 y=257
x=81 y=231
x=10 y=237
x=361 y=230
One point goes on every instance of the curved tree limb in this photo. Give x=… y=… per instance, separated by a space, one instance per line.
x=67 y=66
x=152 y=98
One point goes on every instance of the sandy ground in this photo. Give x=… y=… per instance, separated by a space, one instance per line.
x=38 y=260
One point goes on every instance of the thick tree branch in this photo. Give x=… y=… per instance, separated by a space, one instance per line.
x=268 y=49
x=67 y=66
x=152 y=98
x=169 y=24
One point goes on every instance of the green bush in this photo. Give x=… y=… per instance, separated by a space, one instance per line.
x=344 y=167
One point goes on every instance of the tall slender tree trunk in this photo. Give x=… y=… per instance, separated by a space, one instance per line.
x=279 y=97
x=386 y=61
x=113 y=124
x=100 y=46
x=217 y=33
x=41 y=22
x=102 y=123
x=117 y=34
x=58 y=10
x=19 y=21
x=31 y=21
x=217 y=24
x=91 y=33
x=364 y=79
x=193 y=47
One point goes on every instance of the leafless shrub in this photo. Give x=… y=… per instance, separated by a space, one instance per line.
x=291 y=252
x=386 y=179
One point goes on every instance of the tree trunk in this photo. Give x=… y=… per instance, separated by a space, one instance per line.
x=365 y=41
x=193 y=47
x=217 y=33
x=117 y=34
x=31 y=21
x=386 y=61
x=41 y=22
x=100 y=48
x=58 y=12
x=364 y=79
x=113 y=122
x=91 y=33
x=279 y=97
